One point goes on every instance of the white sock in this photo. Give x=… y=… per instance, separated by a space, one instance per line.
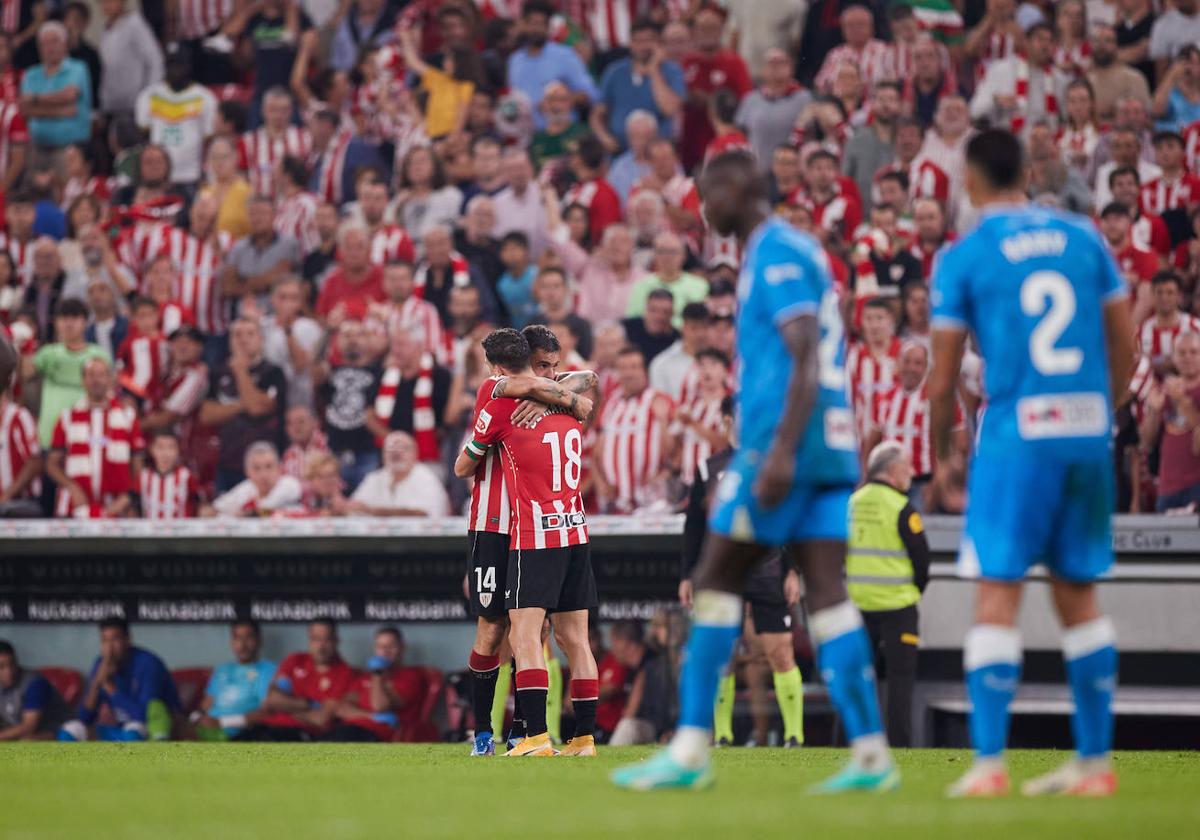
x=232 y=721
x=689 y=747
x=870 y=752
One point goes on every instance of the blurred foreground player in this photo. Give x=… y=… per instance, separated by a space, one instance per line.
x=489 y=522
x=1050 y=312
x=548 y=564
x=771 y=591
x=788 y=485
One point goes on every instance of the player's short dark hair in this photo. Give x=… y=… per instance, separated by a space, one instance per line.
x=1115 y=208
x=1124 y=170
x=590 y=151
x=820 y=154
x=645 y=23
x=236 y=114
x=629 y=630
x=725 y=105
x=714 y=354
x=1038 y=27
x=695 y=312
x=71 y=308
x=390 y=630
x=507 y=348
x=1165 y=276
x=515 y=237
x=294 y=170
x=114 y=622
x=881 y=304
x=540 y=337
x=328 y=622
x=661 y=294
x=142 y=302
x=738 y=165
x=996 y=153
x=900 y=178
x=537 y=7
x=254 y=626
x=6 y=649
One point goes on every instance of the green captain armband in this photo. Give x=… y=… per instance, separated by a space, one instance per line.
x=475 y=450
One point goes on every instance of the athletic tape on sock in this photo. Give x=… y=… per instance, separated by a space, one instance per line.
x=991 y=644
x=1089 y=637
x=717 y=609
x=835 y=621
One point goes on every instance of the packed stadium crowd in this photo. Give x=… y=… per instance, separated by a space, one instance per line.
x=250 y=248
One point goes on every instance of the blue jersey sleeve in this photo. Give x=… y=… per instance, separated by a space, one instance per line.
x=790 y=281
x=951 y=305
x=37 y=695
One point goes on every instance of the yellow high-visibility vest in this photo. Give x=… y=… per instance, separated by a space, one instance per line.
x=879 y=573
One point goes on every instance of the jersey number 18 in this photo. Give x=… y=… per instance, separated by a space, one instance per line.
x=572 y=444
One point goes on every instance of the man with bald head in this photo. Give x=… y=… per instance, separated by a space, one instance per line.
x=56 y=95
x=356 y=283
x=403 y=487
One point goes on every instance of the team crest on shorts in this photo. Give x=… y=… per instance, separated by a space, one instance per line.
x=485 y=599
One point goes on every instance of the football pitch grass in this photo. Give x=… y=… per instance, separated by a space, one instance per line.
x=179 y=790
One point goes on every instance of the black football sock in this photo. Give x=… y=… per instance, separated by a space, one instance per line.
x=533 y=686
x=585 y=694
x=484 y=670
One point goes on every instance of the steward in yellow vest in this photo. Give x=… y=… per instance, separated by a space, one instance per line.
x=887 y=568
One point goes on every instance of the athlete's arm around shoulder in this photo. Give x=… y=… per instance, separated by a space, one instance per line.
x=545 y=391
x=490 y=427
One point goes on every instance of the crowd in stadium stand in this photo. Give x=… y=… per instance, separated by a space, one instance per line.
x=250 y=248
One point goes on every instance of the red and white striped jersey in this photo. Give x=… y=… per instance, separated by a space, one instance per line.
x=99 y=443
x=868 y=379
x=543 y=467
x=22 y=255
x=391 y=243
x=169 y=495
x=330 y=166
x=609 y=23
x=697 y=450
x=489 y=509
x=13 y=131
x=143 y=362
x=97 y=185
x=1156 y=341
x=904 y=418
x=198 y=18
x=18 y=443
x=1191 y=146
x=296 y=216
x=1159 y=195
x=172 y=315
x=1140 y=386
x=259 y=152
x=874 y=61
x=184 y=389
x=138 y=245
x=421 y=315
x=632 y=445
x=198 y=263
x=10 y=83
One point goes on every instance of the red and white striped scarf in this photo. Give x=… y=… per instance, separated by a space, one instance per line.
x=424 y=421
x=1074 y=61
x=1050 y=101
x=999 y=46
x=1076 y=141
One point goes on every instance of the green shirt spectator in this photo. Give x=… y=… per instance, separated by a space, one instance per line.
x=60 y=366
x=685 y=288
x=56 y=95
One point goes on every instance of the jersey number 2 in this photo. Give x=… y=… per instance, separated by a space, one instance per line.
x=1049 y=295
x=572 y=444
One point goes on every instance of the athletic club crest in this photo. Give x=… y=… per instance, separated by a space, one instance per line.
x=485 y=599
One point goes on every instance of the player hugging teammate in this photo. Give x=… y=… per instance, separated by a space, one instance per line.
x=528 y=535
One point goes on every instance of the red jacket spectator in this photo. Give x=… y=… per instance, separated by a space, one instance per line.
x=706 y=70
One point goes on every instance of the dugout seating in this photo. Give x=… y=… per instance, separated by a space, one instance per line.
x=191 y=683
x=425 y=730
x=68 y=681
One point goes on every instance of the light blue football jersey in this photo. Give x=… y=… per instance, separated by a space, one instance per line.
x=237 y=689
x=785 y=274
x=1032 y=284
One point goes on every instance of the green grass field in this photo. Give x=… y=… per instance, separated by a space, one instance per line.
x=325 y=791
